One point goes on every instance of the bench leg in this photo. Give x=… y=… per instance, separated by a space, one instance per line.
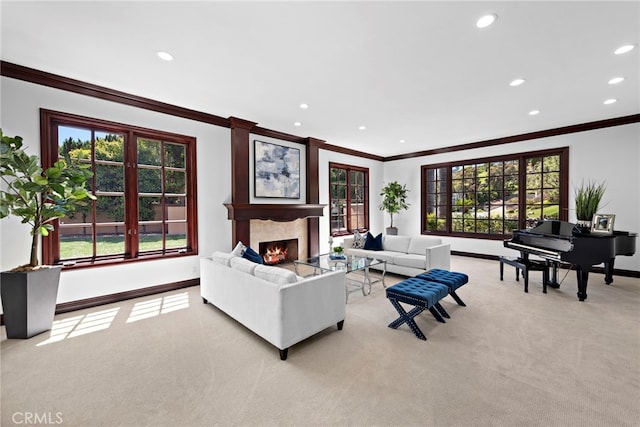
x=442 y=311
x=407 y=318
x=437 y=315
x=457 y=298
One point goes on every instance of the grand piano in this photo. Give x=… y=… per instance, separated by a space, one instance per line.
x=562 y=242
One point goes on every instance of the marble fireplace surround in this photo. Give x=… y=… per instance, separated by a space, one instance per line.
x=269 y=222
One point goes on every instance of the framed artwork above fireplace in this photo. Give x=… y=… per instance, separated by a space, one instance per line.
x=276 y=171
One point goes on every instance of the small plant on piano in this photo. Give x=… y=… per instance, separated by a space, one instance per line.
x=588 y=198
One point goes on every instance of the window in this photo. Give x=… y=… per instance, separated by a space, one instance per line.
x=144 y=182
x=348 y=199
x=492 y=197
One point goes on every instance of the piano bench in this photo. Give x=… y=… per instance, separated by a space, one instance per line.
x=451 y=279
x=526 y=265
x=422 y=295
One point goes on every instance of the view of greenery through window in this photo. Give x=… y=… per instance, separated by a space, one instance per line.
x=349 y=190
x=101 y=229
x=492 y=197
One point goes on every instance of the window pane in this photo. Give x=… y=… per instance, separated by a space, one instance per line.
x=149 y=181
x=149 y=152
x=75 y=142
x=175 y=182
x=110 y=239
x=174 y=155
x=109 y=178
x=75 y=241
x=109 y=147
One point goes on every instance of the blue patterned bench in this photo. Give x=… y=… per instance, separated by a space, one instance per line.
x=421 y=294
x=451 y=279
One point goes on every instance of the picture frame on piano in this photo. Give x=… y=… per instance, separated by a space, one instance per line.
x=602 y=223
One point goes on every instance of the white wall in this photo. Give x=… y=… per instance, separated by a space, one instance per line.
x=609 y=154
x=375 y=183
x=21 y=103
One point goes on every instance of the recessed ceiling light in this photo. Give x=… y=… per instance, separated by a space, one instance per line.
x=616 y=80
x=610 y=101
x=297 y=124
x=486 y=20
x=402 y=141
x=534 y=112
x=362 y=127
x=517 y=82
x=304 y=106
x=165 y=56
x=624 y=49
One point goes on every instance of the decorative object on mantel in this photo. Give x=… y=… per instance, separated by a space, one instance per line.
x=38 y=197
x=394 y=200
x=330 y=244
x=588 y=197
x=602 y=223
x=276 y=170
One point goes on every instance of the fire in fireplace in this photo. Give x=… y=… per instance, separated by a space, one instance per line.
x=278 y=252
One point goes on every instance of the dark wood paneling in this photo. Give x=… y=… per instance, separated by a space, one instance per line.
x=273 y=212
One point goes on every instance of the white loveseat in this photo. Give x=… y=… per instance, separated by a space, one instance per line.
x=273 y=302
x=406 y=255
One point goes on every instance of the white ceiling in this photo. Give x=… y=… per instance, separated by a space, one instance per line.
x=414 y=71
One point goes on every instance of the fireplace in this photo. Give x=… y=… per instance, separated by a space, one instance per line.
x=279 y=251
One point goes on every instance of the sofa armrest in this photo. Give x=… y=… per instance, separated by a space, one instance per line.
x=311 y=305
x=439 y=257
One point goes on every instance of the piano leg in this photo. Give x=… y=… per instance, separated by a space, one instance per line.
x=608 y=271
x=583 y=277
x=553 y=280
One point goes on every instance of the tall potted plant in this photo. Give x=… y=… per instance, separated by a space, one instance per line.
x=588 y=197
x=38 y=197
x=394 y=199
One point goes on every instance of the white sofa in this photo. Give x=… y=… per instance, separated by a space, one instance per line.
x=406 y=255
x=273 y=302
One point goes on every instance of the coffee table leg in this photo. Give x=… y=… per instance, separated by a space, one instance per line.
x=366 y=280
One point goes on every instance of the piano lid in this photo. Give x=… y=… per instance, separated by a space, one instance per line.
x=562 y=229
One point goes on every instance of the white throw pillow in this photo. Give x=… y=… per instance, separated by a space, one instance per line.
x=242 y=264
x=221 y=257
x=280 y=276
x=358 y=240
x=238 y=250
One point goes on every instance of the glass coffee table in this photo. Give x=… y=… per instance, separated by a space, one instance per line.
x=356 y=268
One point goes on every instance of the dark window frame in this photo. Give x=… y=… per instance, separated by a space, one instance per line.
x=49 y=122
x=563 y=152
x=348 y=169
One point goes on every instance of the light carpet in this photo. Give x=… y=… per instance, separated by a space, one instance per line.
x=507 y=359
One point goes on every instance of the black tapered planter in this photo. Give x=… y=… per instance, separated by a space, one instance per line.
x=29 y=300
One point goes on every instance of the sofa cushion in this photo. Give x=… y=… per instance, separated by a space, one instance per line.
x=396 y=243
x=222 y=257
x=359 y=240
x=419 y=244
x=252 y=255
x=383 y=256
x=373 y=243
x=243 y=264
x=411 y=260
x=276 y=275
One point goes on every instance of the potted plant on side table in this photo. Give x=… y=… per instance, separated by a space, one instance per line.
x=38 y=197
x=588 y=197
x=394 y=200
